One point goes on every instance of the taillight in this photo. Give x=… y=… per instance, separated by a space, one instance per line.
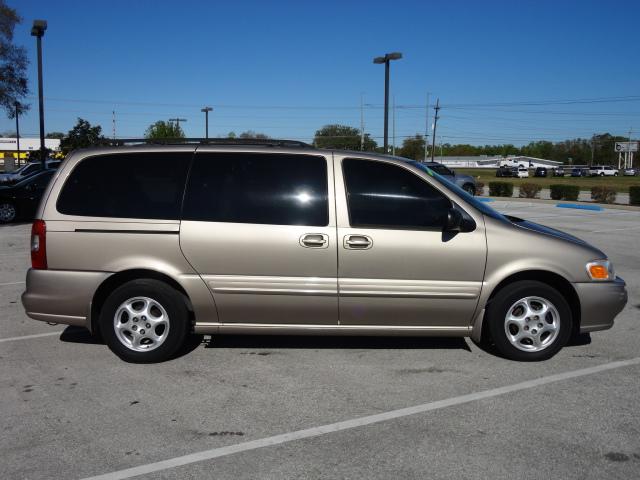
x=39 y=245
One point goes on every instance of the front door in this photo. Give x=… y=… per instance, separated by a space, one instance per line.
x=396 y=265
x=259 y=229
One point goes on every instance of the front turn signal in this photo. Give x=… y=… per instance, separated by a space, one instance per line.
x=600 y=270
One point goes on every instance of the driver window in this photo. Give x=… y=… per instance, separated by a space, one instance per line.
x=384 y=195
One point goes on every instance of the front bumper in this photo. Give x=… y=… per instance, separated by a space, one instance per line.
x=600 y=303
x=61 y=296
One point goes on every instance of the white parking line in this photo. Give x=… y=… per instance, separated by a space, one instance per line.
x=11 y=283
x=28 y=337
x=354 y=423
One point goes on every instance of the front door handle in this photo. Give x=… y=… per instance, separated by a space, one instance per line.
x=314 y=240
x=357 y=242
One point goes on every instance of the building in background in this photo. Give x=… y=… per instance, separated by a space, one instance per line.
x=484 y=161
x=9 y=146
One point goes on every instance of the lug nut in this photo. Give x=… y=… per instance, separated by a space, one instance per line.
x=534 y=331
x=536 y=317
x=135 y=319
x=141 y=332
x=526 y=327
x=539 y=325
x=135 y=327
x=148 y=325
x=144 y=319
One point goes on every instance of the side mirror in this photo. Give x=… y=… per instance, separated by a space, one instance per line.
x=453 y=222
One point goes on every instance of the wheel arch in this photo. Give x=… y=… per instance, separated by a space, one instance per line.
x=120 y=278
x=552 y=279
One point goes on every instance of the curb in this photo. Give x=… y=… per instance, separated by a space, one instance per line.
x=610 y=206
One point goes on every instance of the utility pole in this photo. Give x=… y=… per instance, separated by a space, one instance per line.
x=206 y=111
x=361 y=122
x=113 y=119
x=629 y=153
x=426 y=129
x=177 y=120
x=435 y=124
x=593 y=148
x=17 y=105
x=393 y=127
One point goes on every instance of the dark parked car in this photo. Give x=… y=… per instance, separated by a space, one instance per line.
x=21 y=200
x=579 y=172
x=541 y=172
x=559 y=172
x=506 y=171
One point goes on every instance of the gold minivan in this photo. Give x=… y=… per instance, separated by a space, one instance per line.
x=146 y=244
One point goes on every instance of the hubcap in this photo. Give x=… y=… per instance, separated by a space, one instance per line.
x=141 y=324
x=7 y=212
x=532 y=324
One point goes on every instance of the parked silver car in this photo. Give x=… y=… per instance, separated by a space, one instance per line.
x=27 y=170
x=466 y=182
x=282 y=238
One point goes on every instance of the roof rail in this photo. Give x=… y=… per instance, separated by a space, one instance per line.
x=267 y=142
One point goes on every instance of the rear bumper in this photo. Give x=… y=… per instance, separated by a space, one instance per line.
x=61 y=296
x=600 y=303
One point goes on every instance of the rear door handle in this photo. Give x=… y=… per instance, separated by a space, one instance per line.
x=357 y=242
x=314 y=240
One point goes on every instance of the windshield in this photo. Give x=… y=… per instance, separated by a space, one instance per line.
x=481 y=206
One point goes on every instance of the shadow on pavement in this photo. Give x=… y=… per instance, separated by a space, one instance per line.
x=334 y=342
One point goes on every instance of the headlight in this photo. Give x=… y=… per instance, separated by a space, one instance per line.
x=600 y=270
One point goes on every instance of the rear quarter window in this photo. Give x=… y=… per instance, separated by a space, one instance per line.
x=126 y=185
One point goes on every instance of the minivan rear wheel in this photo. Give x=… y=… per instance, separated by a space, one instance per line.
x=144 y=321
x=529 y=321
x=7 y=212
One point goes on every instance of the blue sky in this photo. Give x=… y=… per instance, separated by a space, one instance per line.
x=287 y=68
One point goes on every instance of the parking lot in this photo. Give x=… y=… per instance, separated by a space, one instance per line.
x=333 y=407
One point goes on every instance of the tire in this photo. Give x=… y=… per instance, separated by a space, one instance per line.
x=508 y=312
x=153 y=320
x=469 y=188
x=8 y=212
x=602 y=174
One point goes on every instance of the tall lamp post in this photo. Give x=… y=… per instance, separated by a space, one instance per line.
x=39 y=26
x=206 y=111
x=386 y=60
x=17 y=106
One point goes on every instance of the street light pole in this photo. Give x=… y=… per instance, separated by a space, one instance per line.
x=38 y=29
x=435 y=124
x=387 y=60
x=206 y=111
x=17 y=105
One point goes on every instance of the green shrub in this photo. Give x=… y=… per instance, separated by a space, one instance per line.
x=500 y=189
x=556 y=191
x=479 y=188
x=564 y=192
x=634 y=194
x=571 y=192
x=603 y=194
x=530 y=190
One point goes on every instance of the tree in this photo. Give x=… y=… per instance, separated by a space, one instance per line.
x=83 y=135
x=13 y=64
x=252 y=134
x=162 y=129
x=413 y=148
x=59 y=135
x=342 y=137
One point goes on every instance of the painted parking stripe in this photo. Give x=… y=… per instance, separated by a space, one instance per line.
x=29 y=337
x=354 y=423
x=11 y=283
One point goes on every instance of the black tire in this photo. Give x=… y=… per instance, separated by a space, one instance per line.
x=8 y=212
x=498 y=309
x=602 y=174
x=469 y=188
x=163 y=294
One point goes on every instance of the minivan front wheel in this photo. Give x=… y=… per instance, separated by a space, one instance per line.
x=529 y=321
x=144 y=321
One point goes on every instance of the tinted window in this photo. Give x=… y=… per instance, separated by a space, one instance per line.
x=274 y=189
x=388 y=196
x=441 y=169
x=127 y=185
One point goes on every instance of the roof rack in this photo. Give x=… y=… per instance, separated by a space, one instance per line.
x=267 y=142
